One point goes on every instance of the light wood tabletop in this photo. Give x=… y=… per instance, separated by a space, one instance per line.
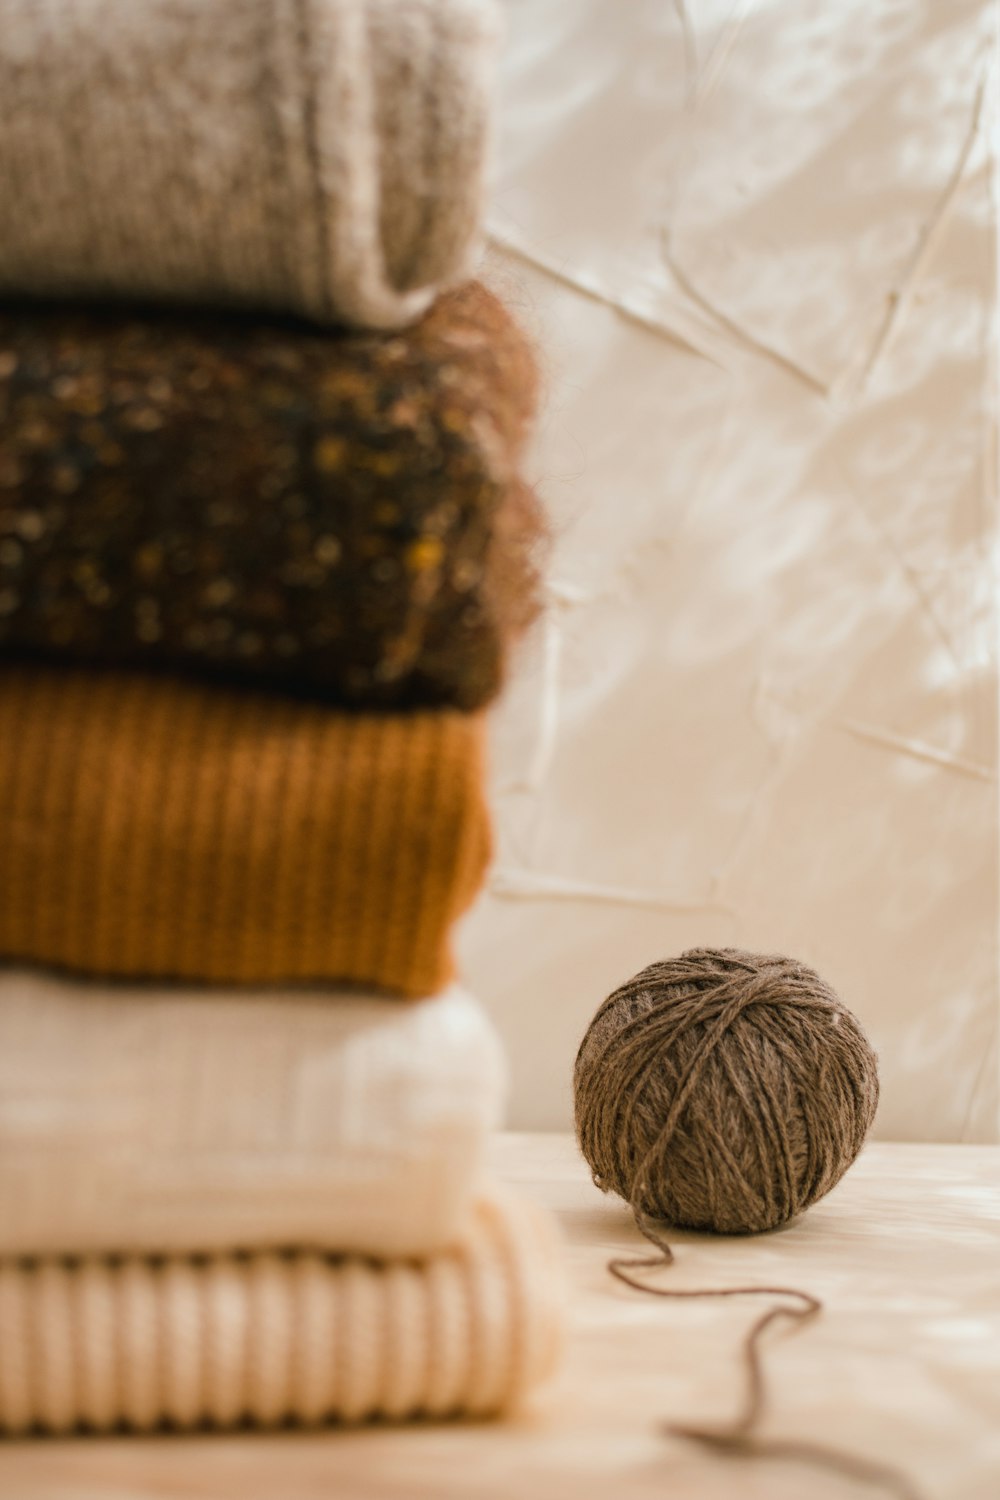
x=902 y=1366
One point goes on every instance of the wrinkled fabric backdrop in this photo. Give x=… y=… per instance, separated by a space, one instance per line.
x=757 y=243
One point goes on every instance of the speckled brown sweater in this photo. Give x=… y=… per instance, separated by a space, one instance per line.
x=336 y=515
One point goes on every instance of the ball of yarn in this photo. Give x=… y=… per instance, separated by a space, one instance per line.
x=723 y=1090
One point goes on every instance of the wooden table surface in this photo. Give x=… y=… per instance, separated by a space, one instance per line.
x=903 y=1365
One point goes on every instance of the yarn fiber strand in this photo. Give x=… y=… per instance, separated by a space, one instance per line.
x=723 y=1090
x=727 y=1091
x=741 y=1435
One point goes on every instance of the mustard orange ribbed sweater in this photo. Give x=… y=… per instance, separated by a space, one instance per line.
x=160 y=828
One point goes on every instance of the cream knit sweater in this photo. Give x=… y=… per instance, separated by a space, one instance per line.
x=270 y=1338
x=147 y=1120
x=325 y=157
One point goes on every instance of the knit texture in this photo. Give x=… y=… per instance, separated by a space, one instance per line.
x=326 y=157
x=341 y=516
x=153 y=827
x=191 y=1120
x=215 y=1341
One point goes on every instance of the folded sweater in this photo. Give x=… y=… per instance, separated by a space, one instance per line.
x=341 y=516
x=325 y=157
x=150 y=1120
x=158 y=828
x=220 y=1340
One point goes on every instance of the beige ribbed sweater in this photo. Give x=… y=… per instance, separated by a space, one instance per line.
x=325 y=157
x=270 y=1338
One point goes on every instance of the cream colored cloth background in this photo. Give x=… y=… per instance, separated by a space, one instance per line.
x=192 y=1120
x=757 y=240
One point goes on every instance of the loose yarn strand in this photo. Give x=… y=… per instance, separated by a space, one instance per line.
x=740 y=1438
x=727 y=1091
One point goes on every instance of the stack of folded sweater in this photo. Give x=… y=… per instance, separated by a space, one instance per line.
x=259 y=579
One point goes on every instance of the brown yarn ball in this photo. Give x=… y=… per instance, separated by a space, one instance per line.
x=723 y=1090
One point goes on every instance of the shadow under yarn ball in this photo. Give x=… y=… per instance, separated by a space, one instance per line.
x=723 y=1090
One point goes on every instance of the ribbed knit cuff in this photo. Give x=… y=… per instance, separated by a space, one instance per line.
x=156 y=828
x=186 y=1342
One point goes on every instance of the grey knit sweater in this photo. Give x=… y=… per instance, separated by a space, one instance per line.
x=324 y=157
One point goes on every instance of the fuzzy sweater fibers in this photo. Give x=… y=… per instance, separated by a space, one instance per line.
x=324 y=157
x=341 y=516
